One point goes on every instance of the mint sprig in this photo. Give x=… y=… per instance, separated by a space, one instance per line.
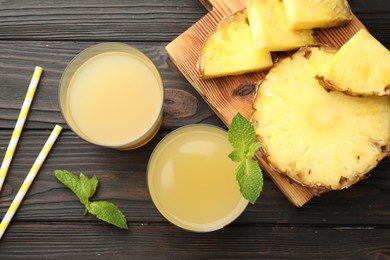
x=242 y=137
x=85 y=188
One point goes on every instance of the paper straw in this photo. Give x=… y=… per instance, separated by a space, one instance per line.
x=29 y=179
x=19 y=124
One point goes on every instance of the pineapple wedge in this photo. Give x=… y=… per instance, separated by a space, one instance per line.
x=308 y=14
x=323 y=140
x=270 y=30
x=361 y=67
x=229 y=50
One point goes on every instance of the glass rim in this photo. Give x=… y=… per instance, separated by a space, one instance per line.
x=242 y=201
x=105 y=48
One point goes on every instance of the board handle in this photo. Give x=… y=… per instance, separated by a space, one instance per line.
x=207 y=4
x=226 y=6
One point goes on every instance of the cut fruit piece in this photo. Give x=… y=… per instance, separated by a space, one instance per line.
x=309 y=14
x=361 y=67
x=269 y=27
x=323 y=140
x=229 y=50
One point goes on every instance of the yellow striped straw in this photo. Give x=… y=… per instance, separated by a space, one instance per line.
x=29 y=179
x=19 y=124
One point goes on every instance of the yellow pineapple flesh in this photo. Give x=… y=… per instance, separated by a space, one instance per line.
x=323 y=140
x=308 y=14
x=270 y=30
x=229 y=50
x=361 y=67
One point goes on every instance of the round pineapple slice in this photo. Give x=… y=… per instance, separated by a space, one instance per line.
x=323 y=140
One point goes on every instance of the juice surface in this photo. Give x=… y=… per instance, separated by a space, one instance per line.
x=114 y=98
x=191 y=179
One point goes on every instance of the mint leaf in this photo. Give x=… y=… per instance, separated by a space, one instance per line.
x=108 y=212
x=237 y=156
x=249 y=176
x=82 y=186
x=250 y=179
x=85 y=188
x=241 y=133
x=252 y=149
x=88 y=186
x=72 y=182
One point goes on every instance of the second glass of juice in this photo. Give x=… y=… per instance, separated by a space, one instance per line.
x=191 y=179
x=112 y=95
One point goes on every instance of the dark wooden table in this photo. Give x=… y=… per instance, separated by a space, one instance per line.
x=353 y=223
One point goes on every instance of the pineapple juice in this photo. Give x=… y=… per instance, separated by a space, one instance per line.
x=114 y=98
x=191 y=179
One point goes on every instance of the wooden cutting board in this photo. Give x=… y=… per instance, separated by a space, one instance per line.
x=229 y=95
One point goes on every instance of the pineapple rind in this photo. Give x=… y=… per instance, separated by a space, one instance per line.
x=229 y=50
x=323 y=140
x=361 y=67
x=270 y=30
x=309 y=14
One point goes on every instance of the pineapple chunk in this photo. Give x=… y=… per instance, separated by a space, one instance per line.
x=229 y=50
x=308 y=14
x=323 y=140
x=269 y=27
x=361 y=67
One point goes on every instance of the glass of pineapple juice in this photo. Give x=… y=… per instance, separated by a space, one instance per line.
x=191 y=179
x=111 y=95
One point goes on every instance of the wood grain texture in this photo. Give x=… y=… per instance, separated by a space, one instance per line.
x=122 y=176
x=149 y=241
x=138 y=20
x=183 y=105
x=115 y=20
x=350 y=224
x=221 y=93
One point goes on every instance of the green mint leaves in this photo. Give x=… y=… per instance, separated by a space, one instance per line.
x=249 y=176
x=85 y=188
x=107 y=212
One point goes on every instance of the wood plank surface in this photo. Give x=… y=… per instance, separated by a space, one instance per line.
x=115 y=20
x=349 y=224
x=167 y=242
x=137 y=20
x=122 y=176
x=183 y=104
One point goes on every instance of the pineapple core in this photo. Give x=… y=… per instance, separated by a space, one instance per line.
x=323 y=140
